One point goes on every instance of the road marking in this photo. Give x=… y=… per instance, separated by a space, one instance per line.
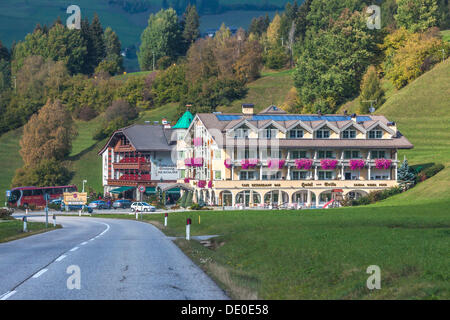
x=40 y=273
x=61 y=257
x=7 y=295
x=73 y=249
x=84 y=243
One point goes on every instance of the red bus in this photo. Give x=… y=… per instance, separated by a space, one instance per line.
x=35 y=195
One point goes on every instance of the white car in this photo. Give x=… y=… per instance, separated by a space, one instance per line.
x=142 y=207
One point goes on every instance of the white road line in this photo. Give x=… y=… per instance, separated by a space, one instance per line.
x=7 y=295
x=73 y=249
x=40 y=273
x=61 y=257
x=84 y=243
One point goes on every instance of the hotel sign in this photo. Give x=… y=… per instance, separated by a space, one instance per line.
x=312 y=185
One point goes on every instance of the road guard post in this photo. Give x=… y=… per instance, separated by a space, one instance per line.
x=188 y=229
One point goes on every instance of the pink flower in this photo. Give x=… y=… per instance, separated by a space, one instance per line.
x=187 y=180
x=357 y=164
x=189 y=162
x=198 y=162
x=303 y=163
x=328 y=164
x=383 y=163
x=198 y=142
x=210 y=184
x=227 y=163
x=201 y=183
x=275 y=163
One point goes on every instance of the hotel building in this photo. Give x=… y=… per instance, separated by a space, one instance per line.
x=273 y=158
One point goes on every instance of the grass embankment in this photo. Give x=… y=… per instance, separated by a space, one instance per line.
x=13 y=229
x=322 y=254
x=10 y=159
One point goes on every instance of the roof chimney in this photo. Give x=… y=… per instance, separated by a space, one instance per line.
x=354 y=117
x=248 y=108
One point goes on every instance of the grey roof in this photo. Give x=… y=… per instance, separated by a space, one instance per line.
x=144 y=137
x=147 y=137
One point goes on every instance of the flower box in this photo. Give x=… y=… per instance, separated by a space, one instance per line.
x=383 y=163
x=275 y=163
x=187 y=180
x=303 y=163
x=328 y=164
x=227 y=163
x=201 y=183
x=249 y=163
x=357 y=164
x=210 y=184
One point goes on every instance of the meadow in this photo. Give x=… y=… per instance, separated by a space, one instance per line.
x=321 y=254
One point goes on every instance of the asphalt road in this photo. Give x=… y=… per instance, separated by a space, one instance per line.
x=117 y=259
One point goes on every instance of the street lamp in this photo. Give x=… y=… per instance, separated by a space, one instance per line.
x=84 y=181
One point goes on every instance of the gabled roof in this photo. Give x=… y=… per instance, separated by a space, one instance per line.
x=380 y=124
x=351 y=123
x=295 y=123
x=273 y=110
x=328 y=124
x=184 y=121
x=142 y=138
x=273 y=123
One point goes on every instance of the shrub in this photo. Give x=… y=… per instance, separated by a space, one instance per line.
x=86 y=113
x=431 y=171
x=163 y=63
x=276 y=58
x=5 y=213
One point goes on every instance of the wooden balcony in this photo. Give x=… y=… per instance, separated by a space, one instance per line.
x=140 y=166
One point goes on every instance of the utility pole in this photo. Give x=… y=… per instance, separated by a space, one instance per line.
x=84 y=181
x=153 y=60
x=443 y=54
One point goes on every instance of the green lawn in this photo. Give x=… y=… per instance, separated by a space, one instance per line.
x=13 y=229
x=323 y=254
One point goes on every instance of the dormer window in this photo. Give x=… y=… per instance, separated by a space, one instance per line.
x=269 y=133
x=349 y=134
x=323 y=134
x=242 y=132
x=296 y=134
x=375 y=134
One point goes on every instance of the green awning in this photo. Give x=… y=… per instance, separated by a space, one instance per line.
x=173 y=191
x=121 y=189
x=150 y=190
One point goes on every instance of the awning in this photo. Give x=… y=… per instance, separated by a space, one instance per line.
x=173 y=191
x=150 y=190
x=121 y=189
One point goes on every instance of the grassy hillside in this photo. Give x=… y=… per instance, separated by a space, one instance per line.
x=271 y=88
x=10 y=159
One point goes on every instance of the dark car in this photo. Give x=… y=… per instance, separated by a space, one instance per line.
x=121 y=204
x=71 y=207
x=99 y=204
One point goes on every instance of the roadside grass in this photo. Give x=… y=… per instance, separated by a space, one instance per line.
x=321 y=254
x=445 y=35
x=13 y=229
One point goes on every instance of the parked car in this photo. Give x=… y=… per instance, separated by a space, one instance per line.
x=72 y=207
x=142 y=207
x=99 y=204
x=121 y=204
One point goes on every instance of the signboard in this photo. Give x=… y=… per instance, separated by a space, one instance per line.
x=141 y=188
x=75 y=198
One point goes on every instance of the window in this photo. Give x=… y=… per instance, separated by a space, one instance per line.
x=247 y=175
x=355 y=154
x=246 y=154
x=298 y=175
x=349 y=134
x=269 y=133
x=378 y=154
x=242 y=133
x=182 y=174
x=296 y=134
x=271 y=154
x=322 y=154
x=217 y=175
x=298 y=154
x=375 y=134
x=325 y=175
x=217 y=154
x=323 y=134
x=271 y=175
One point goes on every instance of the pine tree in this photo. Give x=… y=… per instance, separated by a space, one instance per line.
x=96 y=34
x=191 y=25
x=406 y=175
x=370 y=90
